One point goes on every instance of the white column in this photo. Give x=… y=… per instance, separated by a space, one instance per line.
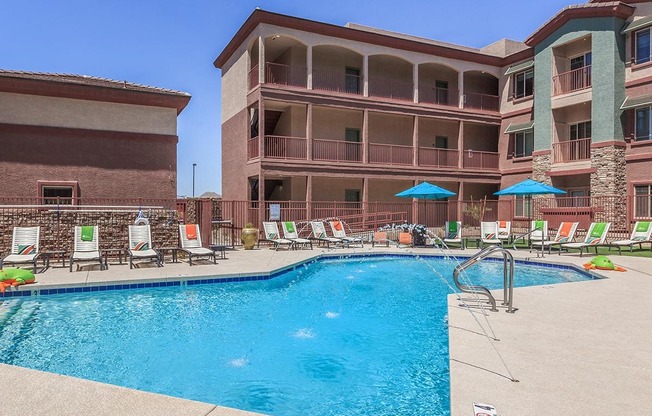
x=415 y=82
x=365 y=76
x=261 y=60
x=309 y=66
x=415 y=141
x=460 y=145
x=460 y=87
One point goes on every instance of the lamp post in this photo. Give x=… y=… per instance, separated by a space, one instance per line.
x=194 y=165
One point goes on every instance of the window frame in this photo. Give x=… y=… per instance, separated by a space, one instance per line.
x=649 y=124
x=577 y=124
x=635 y=35
x=515 y=83
x=72 y=185
x=648 y=200
x=524 y=134
x=522 y=206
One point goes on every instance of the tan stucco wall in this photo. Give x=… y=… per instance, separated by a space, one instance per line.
x=331 y=123
x=35 y=110
x=292 y=122
x=332 y=189
x=390 y=129
x=384 y=190
x=334 y=58
x=481 y=138
x=430 y=128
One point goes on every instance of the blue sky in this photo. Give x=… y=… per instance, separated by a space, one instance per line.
x=172 y=44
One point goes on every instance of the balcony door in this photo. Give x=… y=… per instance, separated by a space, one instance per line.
x=352 y=77
x=578 y=149
x=352 y=139
x=580 y=78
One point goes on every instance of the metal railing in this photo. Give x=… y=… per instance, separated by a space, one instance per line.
x=336 y=81
x=281 y=74
x=571 y=150
x=282 y=147
x=575 y=80
x=391 y=88
x=336 y=150
x=390 y=154
x=486 y=102
x=438 y=96
x=253 y=77
x=438 y=157
x=474 y=159
x=253 y=150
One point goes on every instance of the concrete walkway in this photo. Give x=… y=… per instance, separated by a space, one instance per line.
x=576 y=348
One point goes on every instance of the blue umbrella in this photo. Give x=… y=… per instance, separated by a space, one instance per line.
x=426 y=190
x=529 y=187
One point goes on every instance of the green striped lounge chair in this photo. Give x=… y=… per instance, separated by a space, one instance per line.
x=86 y=246
x=290 y=233
x=454 y=233
x=539 y=230
x=273 y=236
x=140 y=245
x=24 y=247
x=595 y=236
x=641 y=233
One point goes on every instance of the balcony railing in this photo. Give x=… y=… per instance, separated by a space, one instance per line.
x=336 y=151
x=437 y=157
x=281 y=147
x=336 y=81
x=571 y=150
x=473 y=159
x=389 y=88
x=485 y=102
x=575 y=80
x=253 y=77
x=438 y=96
x=252 y=148
x=390 y=154
x=280 y=74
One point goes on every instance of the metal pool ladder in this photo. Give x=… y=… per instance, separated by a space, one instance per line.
x=508 y=276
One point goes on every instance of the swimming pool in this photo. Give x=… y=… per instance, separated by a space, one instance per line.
x=363 y=336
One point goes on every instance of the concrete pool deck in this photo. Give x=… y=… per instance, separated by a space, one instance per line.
x=576 y=348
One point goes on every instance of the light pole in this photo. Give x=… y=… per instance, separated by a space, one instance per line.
x=194 y=165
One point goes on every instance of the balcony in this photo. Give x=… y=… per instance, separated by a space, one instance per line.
x=438 y=96
x=473 y=159
x=390 y=154
x=252 y=148
x=438 y=158
x=483 y=102
x=336 y=151
x=575 y=80
x=392 y=89
x=281 y=147
x=336 y=81
x=571 y=150
x=253 y=77
x=280 y=74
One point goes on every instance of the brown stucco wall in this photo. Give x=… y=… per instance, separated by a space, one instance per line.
x=235 y=134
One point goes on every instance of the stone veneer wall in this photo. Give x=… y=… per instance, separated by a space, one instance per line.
x=610 y=179
x=540 y=165
x=57 y=227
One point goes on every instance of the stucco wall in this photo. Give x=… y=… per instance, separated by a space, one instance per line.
x=36 y=110
x=390 y=129
x=332 y=189
x=235 y=133
x=331 y=123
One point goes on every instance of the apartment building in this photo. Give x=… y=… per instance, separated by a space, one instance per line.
x=317 y=112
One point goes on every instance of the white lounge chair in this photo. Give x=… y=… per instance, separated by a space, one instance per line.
x=504 y=233
x=190 y=239
x=453 y=233
x=337 y=228
x=538 y=231
x=140 y=245
x=565 y=234
x=290 y=233
x=641 y=233
x=489 y=233
x=24 y=247
x=273 y=236
x=86 y=246
x=319 y=234
x=595 y=236
x=380 y=237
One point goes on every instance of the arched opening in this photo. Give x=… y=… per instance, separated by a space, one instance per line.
x=390 y=77
x=438 y=85
x=481 y=91
x=285 y=61
x=336 y=69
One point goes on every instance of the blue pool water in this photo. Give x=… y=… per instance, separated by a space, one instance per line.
x=337 y=337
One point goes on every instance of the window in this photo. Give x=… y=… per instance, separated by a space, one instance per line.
x=352 y=152
x=352 y=195
x=643 y=123
x=643 y=201
x=441 y=92
x=643 y=46
x=523 y=143
x=524 y=83
x=352 y=80
x=581 y=61
x=580 y=130
x=441 y=142
x=53 y=195
x=523 y=206
x=580 y=197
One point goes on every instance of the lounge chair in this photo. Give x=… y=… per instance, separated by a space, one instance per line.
x=319 y=234
x=380 y=237
x=140 y=245
x=24 y=247
x=454 y=233
x=290 y=233
x=565 y=234
x=86 y=246
x=191 y=243
x=489 y=233
x=538 y=231
x=595 y=237
x=405 y=239
x=504 y=233
x=641 y=233
x=273 y=236
x=337 y=227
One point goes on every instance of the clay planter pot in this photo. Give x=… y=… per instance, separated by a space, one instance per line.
x=249 y=238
